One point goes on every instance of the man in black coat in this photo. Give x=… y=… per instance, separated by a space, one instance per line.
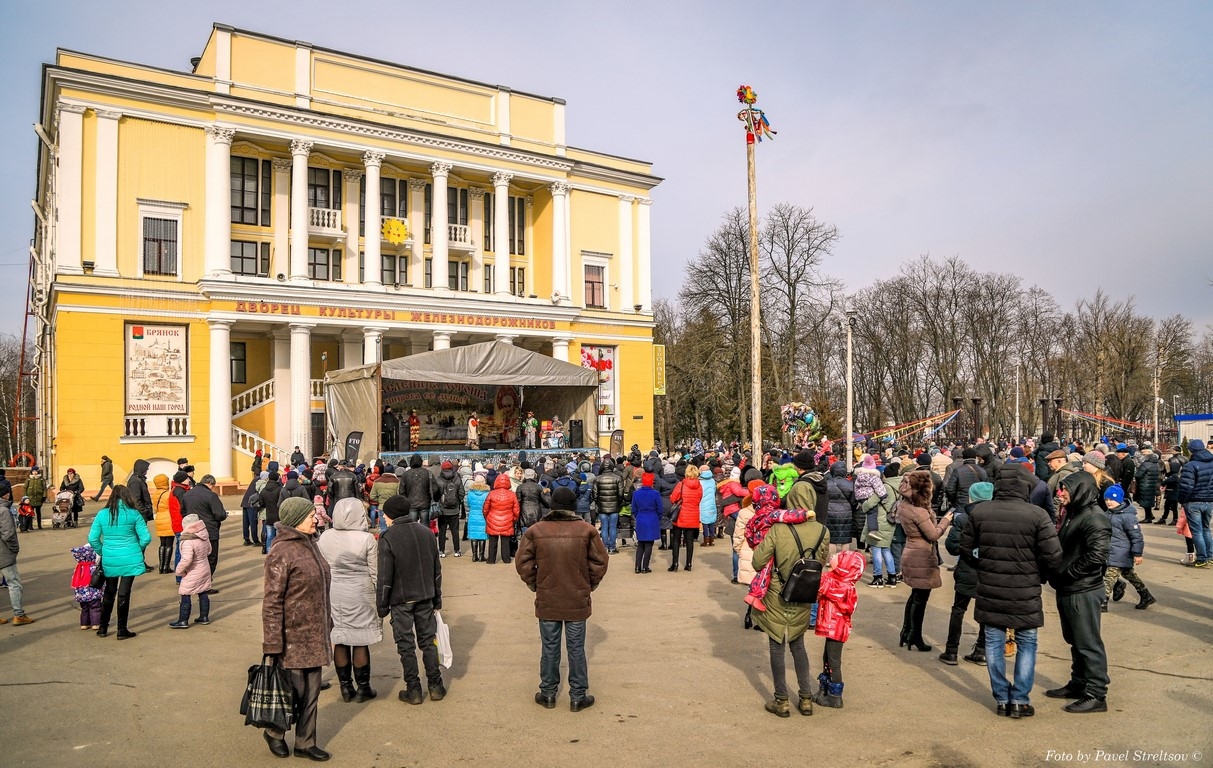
x=1013 y=547
x=136 y=486
x=342 y=484
x=957 y=484
x=201 y=500
x=270 y=499
x=1086 y=537
x=421 y=487
x=1041 y=454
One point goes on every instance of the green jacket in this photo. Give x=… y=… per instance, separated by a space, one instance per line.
x=782 y=477
x=782 y=621
x=35 y=488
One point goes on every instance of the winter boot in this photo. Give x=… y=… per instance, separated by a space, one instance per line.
x=1118 y=590
x=893 y=580
x=183 y=618
x=345 y=676
x=977 y=655
x=1146 y=600
x=832 y=699
x=905 y=624
x=805 y=705
x=823 y=683
x=362 y=676
x=877 y=582
x=124 y=611
x=780 y=707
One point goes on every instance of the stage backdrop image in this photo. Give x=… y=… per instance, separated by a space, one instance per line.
x=443 y=409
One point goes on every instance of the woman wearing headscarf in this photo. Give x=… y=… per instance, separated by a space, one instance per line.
x=296 y=618
x=353 y=559
x=919 y=563
x=119 y=536
x=72 y=482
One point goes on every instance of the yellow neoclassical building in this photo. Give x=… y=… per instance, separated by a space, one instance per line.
x=209 y=243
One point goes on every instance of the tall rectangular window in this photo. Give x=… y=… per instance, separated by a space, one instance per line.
x=595 y=286
x=267 y=189
x=457 y=275
x=517 y=216
x=429 y=273
x=394 y=268
x=456 y=206
x=159 y=246
x=488 y=278
x=251 y=259
x=324 y=188
x=488 y=221
x=387 y=197
x=518 y=281
x=245 y=199
x=239 y=362
x=324 y=264
x=429 y=213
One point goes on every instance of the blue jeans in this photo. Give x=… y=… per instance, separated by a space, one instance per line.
x=882 y=555
x=549 y=662
x=736 y=563
x=1018 y=691
x=1198 y=513
x=610 y=529
x=271 y=530
x=14 y=585
x=249 y=525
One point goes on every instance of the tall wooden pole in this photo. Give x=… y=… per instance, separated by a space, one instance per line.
x=755 y=320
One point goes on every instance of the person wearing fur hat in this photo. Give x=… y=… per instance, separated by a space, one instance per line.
x=194 y=570
x=646 y=512
x=296 y=619
x=836 y=599
x=919 y=562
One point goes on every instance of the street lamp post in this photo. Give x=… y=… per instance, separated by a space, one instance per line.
x=956 y=403
x=852 y=313
x=1057 y=415
x=976 y=418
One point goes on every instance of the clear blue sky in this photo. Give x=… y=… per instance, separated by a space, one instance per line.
x=1067 y=142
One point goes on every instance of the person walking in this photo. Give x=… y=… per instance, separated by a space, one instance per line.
x=409 y=588
x=194 y=572
x=118 y=536
x=1085 y=536
x=1012 y=546
x=107 y=477
x=1125 y=551
x=919 y=562
x=296 y=619
x=1195 y=493
x=10 y=547
x=562 y=559
x=353 y=559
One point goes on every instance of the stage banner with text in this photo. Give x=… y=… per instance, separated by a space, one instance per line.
x=444 y=407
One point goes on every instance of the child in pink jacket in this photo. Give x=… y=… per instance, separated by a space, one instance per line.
x=194 y=570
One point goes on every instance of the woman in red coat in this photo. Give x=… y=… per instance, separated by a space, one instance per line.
x=500 y=516
x=688 y=494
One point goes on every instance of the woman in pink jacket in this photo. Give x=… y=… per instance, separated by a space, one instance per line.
x=194 y=571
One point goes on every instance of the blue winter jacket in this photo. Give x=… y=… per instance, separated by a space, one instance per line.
x=477 y=493
x=1196 y=478
x=707 y=504
x=1127 y=541
x=584 y=491
x=646 y=512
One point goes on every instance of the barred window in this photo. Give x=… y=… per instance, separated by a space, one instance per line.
x=159 y=246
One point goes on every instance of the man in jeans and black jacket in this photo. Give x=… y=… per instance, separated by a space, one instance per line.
x=410 y=588
x=1086 y=536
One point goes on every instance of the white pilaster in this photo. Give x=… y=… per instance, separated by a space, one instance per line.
x=350 y=177
x=503 y=115
x=300 y=150
x=351 y=349
x=560 y=347
x=280 y=263
x=373 y=272
x=217 y=251
x=644 y=258
x=303 y=87
x=501 y=233
x=282 y=386
x=439 y=237
x=301 y=387
x=69 y=189
x=223 y=59
x=506 y=338
x=560 y=255
x=221 y=399
x=476 y=226
x=558 y=126
x=625 y=252
x=416 y=232
x=442 y=340
x=528 y=240
x=372 y=345
x=105 y=196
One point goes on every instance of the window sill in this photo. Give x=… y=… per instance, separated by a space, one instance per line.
x=157 y=439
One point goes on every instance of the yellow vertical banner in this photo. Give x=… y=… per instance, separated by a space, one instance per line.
x=658 y=369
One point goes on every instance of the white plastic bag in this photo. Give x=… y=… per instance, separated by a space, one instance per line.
x=443 y=640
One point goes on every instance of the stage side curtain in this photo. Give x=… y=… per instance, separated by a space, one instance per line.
x=352 y=405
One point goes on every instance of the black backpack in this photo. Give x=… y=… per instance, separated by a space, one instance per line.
x=804 y=579
x=450 y=494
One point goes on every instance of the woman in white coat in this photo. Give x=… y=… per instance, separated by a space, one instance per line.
x=352 y=555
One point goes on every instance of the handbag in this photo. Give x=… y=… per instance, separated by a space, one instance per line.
x=805 y=577
x=97 y=580
x=269 y=699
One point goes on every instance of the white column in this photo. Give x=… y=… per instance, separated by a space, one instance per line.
x=105 y=196
x=282 y=387
x=644 y=277
x=528 y=240
x=350 y=177
x=280 y=263
x=560 y=348
x=438 y=222
x=216 y=254
x=506 y=338
x=221 y=398
x=373 y=273
x=417 y=232
x=301 y=387
x=501 y=233
x=476 y=227
x=560 y=256
x=442 y=340
x=69 y=183
x=625 y=253
x=351 y=349
x=300 y=150
x=372 y=345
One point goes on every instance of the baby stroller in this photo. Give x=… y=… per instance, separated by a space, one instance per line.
x=626 y=527
x=61 y=515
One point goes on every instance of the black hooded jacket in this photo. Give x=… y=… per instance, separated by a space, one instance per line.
x=136 y=486
x=1086 y=537
x=1017 y=550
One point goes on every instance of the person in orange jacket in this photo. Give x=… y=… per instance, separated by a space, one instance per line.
x=688 y=493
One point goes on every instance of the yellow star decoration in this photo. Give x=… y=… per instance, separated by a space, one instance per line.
x=395 y=231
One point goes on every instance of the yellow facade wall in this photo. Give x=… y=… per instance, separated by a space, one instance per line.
x=102 y=66
x=258 y=362
x=206 y=62
x=263 y=64
x=259 y=421
x=396 y=91
x=532 y=118
x=634 y=362
x=158 y=161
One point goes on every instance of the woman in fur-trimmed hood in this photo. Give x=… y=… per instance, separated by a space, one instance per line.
x=919 y=563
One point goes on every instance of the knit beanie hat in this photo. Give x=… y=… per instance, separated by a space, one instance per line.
x=395 y=507
x=1017 y=452
x=735 y=473
x=869 y=461
x=1095 y=459
x=1115 y=493
x=294 y=511
x=528 y=474
x=564 y=500
x=1196 y=445
x=981 y=491
x=447 y=465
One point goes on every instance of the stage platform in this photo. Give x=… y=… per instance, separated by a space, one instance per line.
x=485 y=457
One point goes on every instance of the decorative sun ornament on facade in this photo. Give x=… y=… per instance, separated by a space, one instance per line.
x=395 y=231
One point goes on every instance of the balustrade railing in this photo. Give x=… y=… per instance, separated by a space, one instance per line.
x=324 y=218
x=252 y=398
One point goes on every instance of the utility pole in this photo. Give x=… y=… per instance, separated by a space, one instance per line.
x=1018 y=434
x=1157 y=384
x=851 y=314
x=756 y=126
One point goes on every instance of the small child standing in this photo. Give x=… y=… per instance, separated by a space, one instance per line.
x=1125 y=551
x=836 y=600
x=194 y=570
x=25 y=515
x=322 y=514
x=89 y=598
